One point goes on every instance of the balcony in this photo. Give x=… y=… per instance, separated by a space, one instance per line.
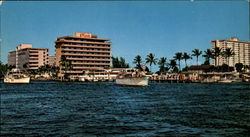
x=33 y=51
x=32 y=58
x=76 y=63
x=33 y=54
x=89 y=68
x=33 y=61
x=87 y=42
x=86 y=55
x=93 y=51
x=84 y=46
x=88 y=59
x=33 y=65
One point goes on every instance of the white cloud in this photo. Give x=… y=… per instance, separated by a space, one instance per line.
x=1 y=2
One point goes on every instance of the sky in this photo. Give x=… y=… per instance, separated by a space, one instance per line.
x=134 y=27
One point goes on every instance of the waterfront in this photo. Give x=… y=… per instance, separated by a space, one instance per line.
x=104 y=109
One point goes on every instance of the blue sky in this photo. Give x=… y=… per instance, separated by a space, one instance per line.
x=135 y=27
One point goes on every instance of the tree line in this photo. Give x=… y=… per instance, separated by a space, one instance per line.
x=174 y=64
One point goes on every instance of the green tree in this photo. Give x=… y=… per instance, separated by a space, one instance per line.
x=65 y=64
x=186 y=56
x=239 y=67
x=227 y=54
x=151 y=60
x=178 y=56
x=138 y=61
x=216 y=54
x=4 y=69
x=26 y=66
x=173 y=65
x=123 y=63
x=208 y=54
x=196 y=53
x=119 y=63
x=162 y=62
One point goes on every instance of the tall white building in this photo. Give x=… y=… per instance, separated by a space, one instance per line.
x=241 y=51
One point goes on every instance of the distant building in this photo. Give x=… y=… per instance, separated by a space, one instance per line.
x=200 y=69
x=12 y=58
x=52 y=60
x=26 y=57
x=85 y=52
x=240 y=48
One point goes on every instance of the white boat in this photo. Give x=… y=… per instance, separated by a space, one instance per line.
x=143 y=81
x=225 y=81
x=132 y=77
x=246 y=78
x=209 y=80
x=16 y=76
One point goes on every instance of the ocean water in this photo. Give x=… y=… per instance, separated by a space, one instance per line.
x=105 y=109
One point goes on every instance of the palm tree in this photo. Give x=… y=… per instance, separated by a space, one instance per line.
x=138 y=61
x=173 y=65
x=178 y=56
x=197 y=53
x=162 y=62
x=151 y=60
x=66 y=64
x=186 y=56
x=208 y=55
x=227 y=54
x=216 y=54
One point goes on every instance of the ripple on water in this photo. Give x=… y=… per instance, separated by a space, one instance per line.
x=96 y=109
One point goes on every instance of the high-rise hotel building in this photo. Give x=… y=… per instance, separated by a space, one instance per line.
x=241 y=51
x=85 y=52
x=27 y=57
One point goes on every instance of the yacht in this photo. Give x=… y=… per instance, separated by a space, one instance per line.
x=16 y=76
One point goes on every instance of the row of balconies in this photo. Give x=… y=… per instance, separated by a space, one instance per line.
x=85 y=42
x=93 y=55
x=82 y=48
x=91 y=64
x=89 y=68
x=88 y=59
x=85 y=46
x=84 y=51
x=92 y=40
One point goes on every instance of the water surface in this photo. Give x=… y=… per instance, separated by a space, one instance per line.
x=104 y=109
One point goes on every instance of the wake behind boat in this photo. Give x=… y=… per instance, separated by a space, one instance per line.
x=16 y=76
x=132 y=77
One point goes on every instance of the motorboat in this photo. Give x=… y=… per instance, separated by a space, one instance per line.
x=132 y=77
x=225 y=81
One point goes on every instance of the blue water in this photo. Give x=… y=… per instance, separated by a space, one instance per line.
x=104 y=109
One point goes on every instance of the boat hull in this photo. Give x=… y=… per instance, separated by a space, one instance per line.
x=17 y=81
x=225 y=81
x=132 y=81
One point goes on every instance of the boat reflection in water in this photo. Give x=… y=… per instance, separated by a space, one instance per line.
x=132 y=77
x=16 y=76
